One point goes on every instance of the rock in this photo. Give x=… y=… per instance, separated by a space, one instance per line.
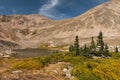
x=6 y=56
x=17 y=72
x=55 y=71
x=67 y=72
x=1 y=54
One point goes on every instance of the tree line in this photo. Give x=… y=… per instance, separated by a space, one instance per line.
x=98 y=48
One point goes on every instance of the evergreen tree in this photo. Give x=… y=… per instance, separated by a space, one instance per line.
x=76 y=45
x=81 y=50
x=85 y=49
x=71 y=48
x=100 y=43
x=92 y=46
x=116 y=49
x=106 y=49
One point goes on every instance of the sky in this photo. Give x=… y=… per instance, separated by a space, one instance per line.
x=54 y=9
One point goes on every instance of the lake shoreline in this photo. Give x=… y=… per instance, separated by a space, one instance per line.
x=31 y=52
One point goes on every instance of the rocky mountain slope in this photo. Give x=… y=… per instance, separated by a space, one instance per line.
x=17 y=28
x=35 y=30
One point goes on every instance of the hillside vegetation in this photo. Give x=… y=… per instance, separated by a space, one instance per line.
x=83 y=68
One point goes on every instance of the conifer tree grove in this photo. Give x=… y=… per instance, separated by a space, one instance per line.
x=98 y=48
x=76 y=45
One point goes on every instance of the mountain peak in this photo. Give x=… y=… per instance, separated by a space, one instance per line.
x=35 y=30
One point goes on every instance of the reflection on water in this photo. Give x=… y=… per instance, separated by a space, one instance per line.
x=25 y=53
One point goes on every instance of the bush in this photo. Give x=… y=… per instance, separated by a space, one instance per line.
x=52 y=58
x=101 y=69
x=27 y=64
x=115 y=55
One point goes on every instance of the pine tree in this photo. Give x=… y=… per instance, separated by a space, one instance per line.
x=106 y=49
x=71 y=48
x=100 y=43
x=116 y=49
x=85 y=49
x=81 y=50
x=92 y=46
x=76 y=45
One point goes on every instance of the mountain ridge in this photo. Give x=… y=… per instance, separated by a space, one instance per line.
x=36 y=30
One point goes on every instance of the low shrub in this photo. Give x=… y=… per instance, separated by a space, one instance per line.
x=27 y=64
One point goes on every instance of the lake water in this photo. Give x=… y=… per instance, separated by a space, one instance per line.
x=26 y=53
